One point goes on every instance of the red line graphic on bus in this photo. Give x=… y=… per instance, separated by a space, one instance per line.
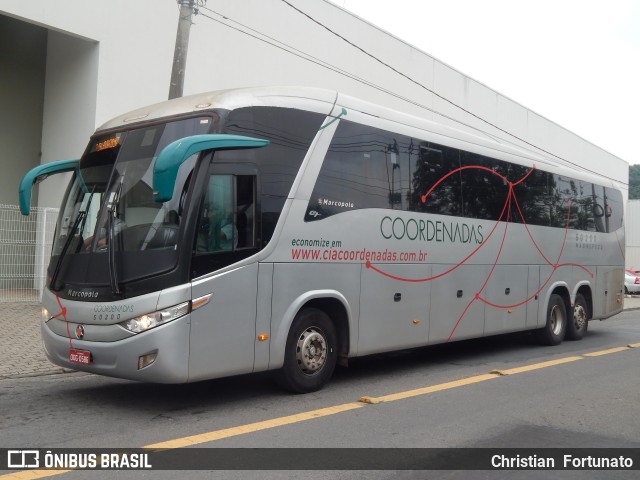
x=511 y=201
x=63 y=313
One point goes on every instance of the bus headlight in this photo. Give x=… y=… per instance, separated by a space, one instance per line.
x=151 y=320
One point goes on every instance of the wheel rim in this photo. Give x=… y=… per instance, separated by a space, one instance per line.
x=311 y=351
x=579 y=316
x=556 y=319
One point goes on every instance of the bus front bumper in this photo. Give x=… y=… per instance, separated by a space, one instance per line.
x=170 y=343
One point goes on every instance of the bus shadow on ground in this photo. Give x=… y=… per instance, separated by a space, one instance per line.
x=489 y=351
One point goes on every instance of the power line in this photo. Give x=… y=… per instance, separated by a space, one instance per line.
x=257 y=35
x=437 y=94
x=303 y=55
x=308 y=57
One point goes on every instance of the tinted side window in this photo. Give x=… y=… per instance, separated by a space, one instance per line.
x=366 y=167
x=599 y=216
x=484 y=190
x=613 y=209
x=565 y=195
x=433 y=175
x=544 y=199
x=290 y=133
x=535 y=201
x=361 y=170
x=583 y=205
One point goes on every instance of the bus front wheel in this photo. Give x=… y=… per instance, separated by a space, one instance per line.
x=554 y=331
x=311 y=352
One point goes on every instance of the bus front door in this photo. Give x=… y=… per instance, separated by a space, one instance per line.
x=223 y=330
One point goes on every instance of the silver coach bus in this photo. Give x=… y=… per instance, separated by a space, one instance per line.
x=290 y=229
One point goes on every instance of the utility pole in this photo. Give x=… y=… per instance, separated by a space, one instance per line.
x=182 y=45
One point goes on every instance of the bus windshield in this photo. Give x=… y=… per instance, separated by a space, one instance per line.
x=109 y=205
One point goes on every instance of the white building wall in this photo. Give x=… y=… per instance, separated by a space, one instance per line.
x=256 y=62
x=128 y=53
x=632 y=235
x=135 y=41
x=70 y=98
x=22 y=73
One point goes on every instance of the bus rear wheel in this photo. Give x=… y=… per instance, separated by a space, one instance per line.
x=311 y=352
x=555 y=329
x=579 y=322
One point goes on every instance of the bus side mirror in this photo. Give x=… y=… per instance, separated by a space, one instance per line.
x=36 y=175
x=165 y=169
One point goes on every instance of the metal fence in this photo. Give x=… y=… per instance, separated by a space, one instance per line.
x=25 y=249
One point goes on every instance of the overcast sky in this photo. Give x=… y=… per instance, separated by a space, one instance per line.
x=576 y=63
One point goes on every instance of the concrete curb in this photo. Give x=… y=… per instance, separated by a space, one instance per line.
x=44 y=373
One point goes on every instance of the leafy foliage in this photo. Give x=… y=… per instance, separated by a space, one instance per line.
x=634 y=182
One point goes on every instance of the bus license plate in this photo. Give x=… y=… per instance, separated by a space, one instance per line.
x=82 y=357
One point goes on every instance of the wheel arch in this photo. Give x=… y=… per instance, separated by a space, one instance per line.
x=331 y=302
x=558 y=288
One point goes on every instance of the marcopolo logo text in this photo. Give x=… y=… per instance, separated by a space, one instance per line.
x=82 y=294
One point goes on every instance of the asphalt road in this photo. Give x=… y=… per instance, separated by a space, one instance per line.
x=437 y=397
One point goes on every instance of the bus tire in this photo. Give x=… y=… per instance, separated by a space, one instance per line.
x=311 y=352
x=579 y=321
x=555 y=329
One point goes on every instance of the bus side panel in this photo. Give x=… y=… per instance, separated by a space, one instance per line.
x=507 y=287
x=263 y=315
x=454 y=314
x=223 y=331
x=533 y=295
x=607 y=298
x=294 y=284
x=394 y=314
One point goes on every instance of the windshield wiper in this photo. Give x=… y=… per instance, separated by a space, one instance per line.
x=113 y=271
x=65 y=247
x=82 y=217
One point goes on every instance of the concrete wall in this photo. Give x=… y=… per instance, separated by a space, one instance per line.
x=99 y=62
x=69 y=107
x=242 y=60
x=632 y=239
x=23 y=50
x=122 y=53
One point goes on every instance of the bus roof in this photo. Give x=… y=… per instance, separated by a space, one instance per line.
x=324 y=101
x=306 y=98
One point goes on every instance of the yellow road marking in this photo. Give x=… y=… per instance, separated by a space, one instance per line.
x=433 y=388
x=323 y=412
x=254 y=427
x=32 y=474
x=606 y=352
x=536 y=366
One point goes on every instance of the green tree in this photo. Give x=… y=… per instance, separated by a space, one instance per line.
x=634 y=182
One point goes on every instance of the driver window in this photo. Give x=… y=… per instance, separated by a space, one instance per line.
x=226 y=222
